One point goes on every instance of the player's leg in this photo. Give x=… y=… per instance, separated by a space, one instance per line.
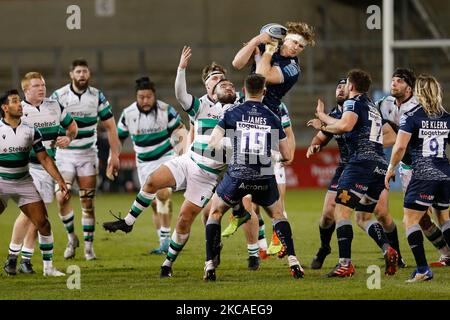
x=442 y=215
x=87 y=191
x=239 y=216
x=251 y=231
x=37 y=213
x=212 y=235
x=27 y=251
x=275 y=246
x=440 y=207
x=431 y=231
x=66 y=212
x=159 y=179
x=199 y=185
x=389 y=227
x=15 y=246
x=344 y=234
x=326 y=229
x=415 y=241
x=45 y=185
x=283 y=229
x=180 y=236
x=416 y=204
x=269 y=198
x=164 y=210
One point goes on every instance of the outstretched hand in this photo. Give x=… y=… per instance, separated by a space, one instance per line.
x=312 y=149
x=315 y=123
x=320 y=107
x=186 y=54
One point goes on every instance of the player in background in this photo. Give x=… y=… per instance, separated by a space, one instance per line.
x=362 y=180
x=79 y=160
x=392 y=108
x=255 y=131
x=18 y=139
x=426 y=129
x=46 y=115
x=381 y=211
x=155 y=129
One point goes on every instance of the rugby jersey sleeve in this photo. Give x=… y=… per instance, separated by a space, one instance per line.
x=66 y=119
x=289 y=70
x=122 y=128
x=285 y=118
x=174 y=119
x=37 y=142
x=104 y=108
x=407 y=123
x=350 y=106
x=279 y=127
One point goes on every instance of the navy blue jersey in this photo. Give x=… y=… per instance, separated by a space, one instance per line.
x=365 y=140
x=255 y=131
x=290 y=70
x=336 y=113
x=429 y=139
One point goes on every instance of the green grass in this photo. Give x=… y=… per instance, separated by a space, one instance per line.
x=124 y=270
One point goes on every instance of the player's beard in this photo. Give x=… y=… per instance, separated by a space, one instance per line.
x=340 y=100
x=398 y=94
x=147 y=108
x=81 y=85
x=226 y=98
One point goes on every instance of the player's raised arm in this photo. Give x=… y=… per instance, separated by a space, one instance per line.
x=183 y=97
x=245 y=56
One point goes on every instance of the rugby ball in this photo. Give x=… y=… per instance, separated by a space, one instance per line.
x=275 y=30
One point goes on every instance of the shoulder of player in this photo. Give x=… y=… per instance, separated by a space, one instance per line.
x=163 y=106
x=132 y=108
x=94 y=91
x=385 y=103
x=63 y=90
x=26 y=126
x=51 y=102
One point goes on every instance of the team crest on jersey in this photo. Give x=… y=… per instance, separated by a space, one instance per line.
x=254 y=111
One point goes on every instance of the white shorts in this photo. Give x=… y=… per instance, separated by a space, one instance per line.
x=405 y=175
x=280 y=174
x=77 y=163
x=198 y=183
x=43 y=182
x=22 y=191
x=145 y=169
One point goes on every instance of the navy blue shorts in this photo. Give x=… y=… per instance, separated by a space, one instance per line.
x=264 y=192
x=333 y=186
x=422 y=194
x=361 y=184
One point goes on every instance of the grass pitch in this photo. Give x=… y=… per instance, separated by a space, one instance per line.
x=124 y=269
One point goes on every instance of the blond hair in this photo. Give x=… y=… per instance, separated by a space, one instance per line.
x=303 y=29
x=25 y=83
x=429 y=94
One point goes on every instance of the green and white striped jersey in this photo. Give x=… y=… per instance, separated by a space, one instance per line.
x=204 y=114
x=47 y=118
x=15 y=147
x=150 y=132
x=85 y=109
